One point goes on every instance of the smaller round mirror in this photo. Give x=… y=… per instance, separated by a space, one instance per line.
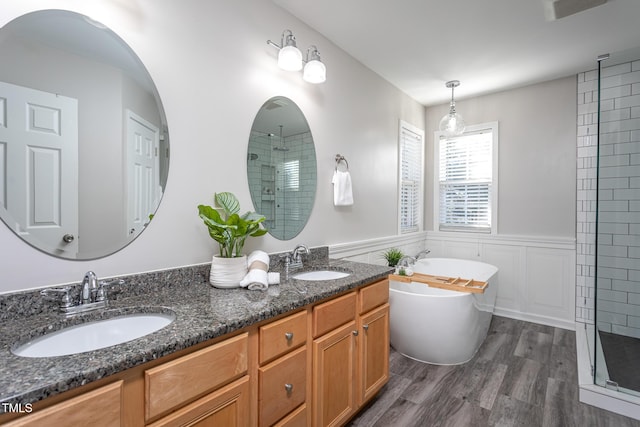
x=281 y=167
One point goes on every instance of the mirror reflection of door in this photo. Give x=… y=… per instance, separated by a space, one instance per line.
x=39 y=144
x=143 y=176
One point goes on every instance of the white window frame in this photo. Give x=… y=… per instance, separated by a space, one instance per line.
x=405 y=127
x=438 y=136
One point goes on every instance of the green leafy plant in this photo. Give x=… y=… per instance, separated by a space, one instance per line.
x=227 y=227
x=392 y=255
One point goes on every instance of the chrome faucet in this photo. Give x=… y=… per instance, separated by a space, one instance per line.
x=92 y=295
x=408 y=261
x=89 y=288
x=293 y=259
x=422 y=254
x=296 y=255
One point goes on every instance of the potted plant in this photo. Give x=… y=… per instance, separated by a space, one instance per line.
x=230 y=229
x=392 y=255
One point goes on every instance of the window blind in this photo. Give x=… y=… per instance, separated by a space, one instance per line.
x=292 y=175
x=465 y=182
x=411 y=173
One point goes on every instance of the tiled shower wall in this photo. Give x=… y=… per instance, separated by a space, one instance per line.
x=277 y=175
x=619 y=199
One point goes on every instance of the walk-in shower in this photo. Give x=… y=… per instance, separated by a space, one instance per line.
x=617 y=257
x=608 y=233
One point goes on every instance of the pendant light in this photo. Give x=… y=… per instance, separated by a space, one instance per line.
x=452 y=124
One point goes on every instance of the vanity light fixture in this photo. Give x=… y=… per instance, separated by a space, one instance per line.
x=314 y=70
x=290 y=59
x=452 y=123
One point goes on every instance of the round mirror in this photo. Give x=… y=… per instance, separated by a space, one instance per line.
x=281 y=167
x=84 y=146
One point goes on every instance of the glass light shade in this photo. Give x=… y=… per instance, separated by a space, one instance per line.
x=315 y=72
x=290 y=58
x=452 y=124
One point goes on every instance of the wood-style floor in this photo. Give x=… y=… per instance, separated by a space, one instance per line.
x=524 y=374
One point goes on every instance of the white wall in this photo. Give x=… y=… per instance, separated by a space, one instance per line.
x=213 y=69
x=534 y=249
x=537 y=167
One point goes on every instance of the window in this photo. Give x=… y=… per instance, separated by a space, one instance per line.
x=466 y=180
x=411 y=149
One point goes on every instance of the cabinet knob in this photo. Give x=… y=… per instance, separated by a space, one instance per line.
x=355 y=333
x=365 y=327
x=289 y=388
x=68 y=238
x=288 y=336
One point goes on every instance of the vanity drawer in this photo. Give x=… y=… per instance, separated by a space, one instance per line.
x=283 y=335
x=373 y=295
x=297 y=418
x=282 y=386
x=177 y=382
x=331 y=314
x=100 y=407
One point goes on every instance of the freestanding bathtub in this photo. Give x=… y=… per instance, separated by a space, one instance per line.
x=440 y=326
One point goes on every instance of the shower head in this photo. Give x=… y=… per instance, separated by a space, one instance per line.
x=282 y=147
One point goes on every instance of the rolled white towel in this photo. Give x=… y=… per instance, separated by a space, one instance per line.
x=255 y=280
x=257 y=255
x=273 y=278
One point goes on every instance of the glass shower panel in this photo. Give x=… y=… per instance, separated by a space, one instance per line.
x=617 y=299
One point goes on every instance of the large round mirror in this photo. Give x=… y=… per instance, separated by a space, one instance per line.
x=281 y=167
x=84 y=146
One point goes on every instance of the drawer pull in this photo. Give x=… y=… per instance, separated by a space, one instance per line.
x=288 y=336
x=288 y=388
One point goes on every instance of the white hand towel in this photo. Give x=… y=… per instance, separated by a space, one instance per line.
x=342 y=191
x=257 y=278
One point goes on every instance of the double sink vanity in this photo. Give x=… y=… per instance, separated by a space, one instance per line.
x=309 y=351
x=165 y=348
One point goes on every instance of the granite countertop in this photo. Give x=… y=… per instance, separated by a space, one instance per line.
x=202 y=313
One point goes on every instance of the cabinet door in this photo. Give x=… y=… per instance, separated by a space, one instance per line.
x=228 y=407
x=374 y=352
x=334 y=376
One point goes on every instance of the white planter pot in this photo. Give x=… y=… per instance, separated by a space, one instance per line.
x=227 y=272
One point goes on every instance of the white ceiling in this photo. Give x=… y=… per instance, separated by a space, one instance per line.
x=489 y=45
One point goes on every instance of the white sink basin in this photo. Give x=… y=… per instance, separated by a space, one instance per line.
x=320 y=275
x=94 y=335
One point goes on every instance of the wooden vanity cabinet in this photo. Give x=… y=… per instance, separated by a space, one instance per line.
x=99 y=407
x=283 y=374
x=317 y=366
x=202 y=373
x=350 y=353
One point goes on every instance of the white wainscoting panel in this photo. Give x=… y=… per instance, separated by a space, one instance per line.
x=536 y=280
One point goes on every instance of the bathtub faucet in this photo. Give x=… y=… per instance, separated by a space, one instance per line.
x=422 y=254
x=406 y=261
